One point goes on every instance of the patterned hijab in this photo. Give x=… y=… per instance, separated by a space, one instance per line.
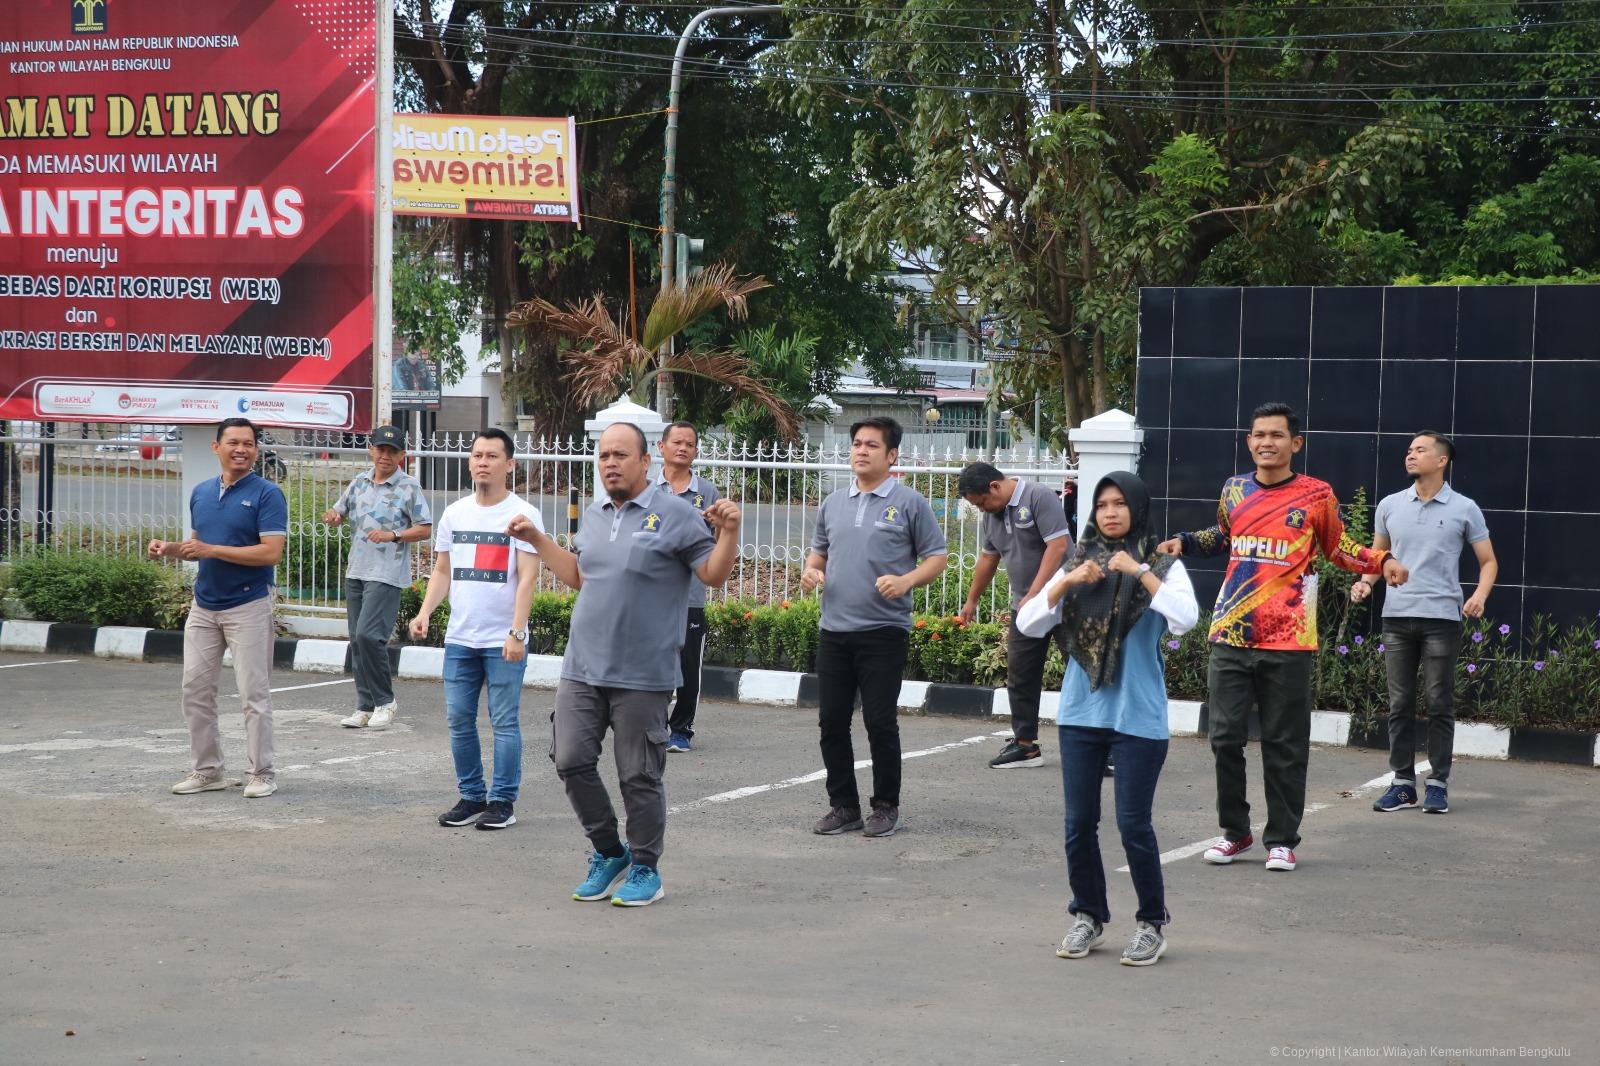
x=1095 y=619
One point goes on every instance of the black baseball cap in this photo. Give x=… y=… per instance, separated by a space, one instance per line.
x=388 y=435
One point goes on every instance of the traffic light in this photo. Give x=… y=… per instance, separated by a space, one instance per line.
x=689 y=250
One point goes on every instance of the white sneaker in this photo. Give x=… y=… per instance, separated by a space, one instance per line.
x=260 y=787
x=382 y=718
x=359 y=720
x=195 y=781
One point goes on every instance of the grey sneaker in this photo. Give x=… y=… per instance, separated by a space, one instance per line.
x=1086 y=932
x=882 y=822
x=195 y=781
x=260 y=787
x=839 y=820
x=1146 y=947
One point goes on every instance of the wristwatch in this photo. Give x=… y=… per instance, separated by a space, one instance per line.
x=1144 y=568
x=521 y=635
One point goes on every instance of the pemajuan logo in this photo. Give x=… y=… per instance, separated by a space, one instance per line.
x=244 y=405
x=88 y=16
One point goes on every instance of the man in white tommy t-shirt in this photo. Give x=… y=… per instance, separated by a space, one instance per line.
x=489 y=578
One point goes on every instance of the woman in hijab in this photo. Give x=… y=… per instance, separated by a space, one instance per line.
x=1115 y=599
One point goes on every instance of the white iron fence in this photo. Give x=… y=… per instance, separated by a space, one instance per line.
x=111 y=495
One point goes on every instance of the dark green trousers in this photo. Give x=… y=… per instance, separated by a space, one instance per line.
x=1279 y=683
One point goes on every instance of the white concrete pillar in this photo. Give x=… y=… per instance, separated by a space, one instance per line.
x=199 y=464
x=1104 y=443
x=625 y=410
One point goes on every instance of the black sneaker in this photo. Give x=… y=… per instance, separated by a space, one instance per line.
x=838 y=820
x=882 y=822
x=1017 y=753
x=1110 y=770
x=497 y=816
x=462 y=813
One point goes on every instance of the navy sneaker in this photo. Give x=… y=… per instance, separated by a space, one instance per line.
x=463 y=813
x=497 y=815
x=642 y=888
x=1436 y=800
x=604 y=876
x=678 y=742
x=1401 y=796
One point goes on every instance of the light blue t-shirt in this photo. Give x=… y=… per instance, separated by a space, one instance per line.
x=1133 y=702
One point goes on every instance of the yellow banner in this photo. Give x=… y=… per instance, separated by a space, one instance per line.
x=477 y=166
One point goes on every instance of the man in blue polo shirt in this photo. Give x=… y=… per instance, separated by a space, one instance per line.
x=239 y=523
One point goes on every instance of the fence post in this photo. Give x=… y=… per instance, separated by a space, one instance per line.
x=1106 y=442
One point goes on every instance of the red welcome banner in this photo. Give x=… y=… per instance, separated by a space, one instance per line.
x=186 y=211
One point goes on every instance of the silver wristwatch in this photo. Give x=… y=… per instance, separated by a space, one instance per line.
x=521 y=635
x=1144 y=568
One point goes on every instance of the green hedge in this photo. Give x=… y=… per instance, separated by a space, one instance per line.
x=1548 y=676
x=100 y=591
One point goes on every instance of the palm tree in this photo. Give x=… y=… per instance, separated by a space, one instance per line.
x=602 y=358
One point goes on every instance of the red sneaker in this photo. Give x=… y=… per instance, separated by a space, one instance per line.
x=1224 y=850
x=1280 y=859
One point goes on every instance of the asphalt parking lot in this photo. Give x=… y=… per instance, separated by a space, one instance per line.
x=336 y=923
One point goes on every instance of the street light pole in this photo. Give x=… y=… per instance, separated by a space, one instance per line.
x=669 y=175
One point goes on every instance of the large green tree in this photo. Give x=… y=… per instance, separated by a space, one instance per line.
x=1051 y=158
x=756 y=186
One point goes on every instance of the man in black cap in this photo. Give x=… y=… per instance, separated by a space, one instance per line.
x=387 y=512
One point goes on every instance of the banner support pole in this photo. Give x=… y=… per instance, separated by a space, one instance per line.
x=383 y=222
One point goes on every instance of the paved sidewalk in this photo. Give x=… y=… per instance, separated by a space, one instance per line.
x=335 y=923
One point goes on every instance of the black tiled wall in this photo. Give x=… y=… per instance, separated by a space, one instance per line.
x=1512 y=372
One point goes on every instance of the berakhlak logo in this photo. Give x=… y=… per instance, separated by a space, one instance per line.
x=1296 y=519
x=88 y=16
x=890 y=514
x=651 y=523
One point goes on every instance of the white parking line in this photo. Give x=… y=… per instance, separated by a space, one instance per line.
x=1200 y=845
x=52 y=662
x=318 y=684
x=818 y=775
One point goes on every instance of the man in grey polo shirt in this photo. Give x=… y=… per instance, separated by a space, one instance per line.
x=1023 y=523
x=869 y=539
x=1426 y=527
x=680 y=446
x=387 y=513
x=632 y=561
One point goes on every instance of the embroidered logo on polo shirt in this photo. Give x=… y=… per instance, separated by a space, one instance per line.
x=1024 y=516
x=700 y=500
x=245 y=503
x=891 y=514
x=651 y=523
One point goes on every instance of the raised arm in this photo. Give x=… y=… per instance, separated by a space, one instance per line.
x=558 y=560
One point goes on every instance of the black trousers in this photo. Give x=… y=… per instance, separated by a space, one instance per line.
x=1433 y=644
x=1279 y=683
x=1025 y=659
x=691 y=659
x=871 y=663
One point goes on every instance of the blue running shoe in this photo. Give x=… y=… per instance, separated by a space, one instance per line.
x=1400 y=796
x=642 y=888
x=604 y=876
x=1436 y=800
x=677 y=742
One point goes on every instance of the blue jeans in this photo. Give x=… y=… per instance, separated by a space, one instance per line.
x=1083 y=763
x=467 y=671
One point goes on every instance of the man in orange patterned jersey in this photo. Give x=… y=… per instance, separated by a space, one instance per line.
x=1263 y=634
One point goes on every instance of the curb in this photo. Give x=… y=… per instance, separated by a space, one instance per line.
x=778 y=688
